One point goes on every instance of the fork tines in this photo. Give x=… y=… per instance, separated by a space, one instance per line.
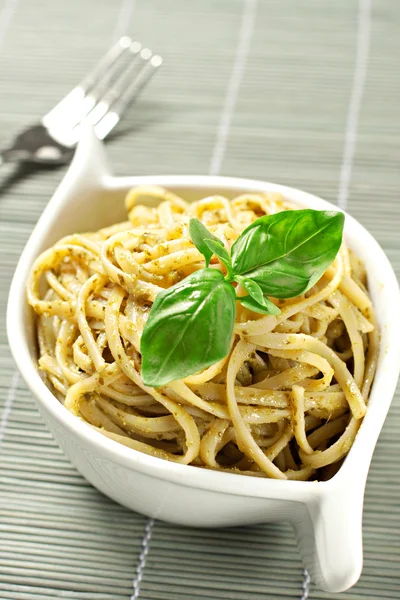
x=105 y=93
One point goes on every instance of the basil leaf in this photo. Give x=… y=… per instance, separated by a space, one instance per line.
x=256 y=300
x=268 y=308
x=251 y=288
x=199 y=233
x=189 y=328
x=288 y=252
x=219 y=250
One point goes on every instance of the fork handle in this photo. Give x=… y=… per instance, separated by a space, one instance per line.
x=4 y=158
x=13 y=155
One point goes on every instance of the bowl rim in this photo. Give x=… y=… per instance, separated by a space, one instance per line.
x=206 y=479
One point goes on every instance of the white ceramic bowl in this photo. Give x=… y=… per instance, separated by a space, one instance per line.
x=327 y=516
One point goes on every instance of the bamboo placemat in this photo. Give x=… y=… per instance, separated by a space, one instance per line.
x=304 y=92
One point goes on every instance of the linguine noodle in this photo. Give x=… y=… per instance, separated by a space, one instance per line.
x=285 y=403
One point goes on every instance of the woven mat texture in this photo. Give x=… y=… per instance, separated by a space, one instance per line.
x=303 y=92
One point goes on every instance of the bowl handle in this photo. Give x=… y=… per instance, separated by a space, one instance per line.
x=89 y=162
x=330 y=537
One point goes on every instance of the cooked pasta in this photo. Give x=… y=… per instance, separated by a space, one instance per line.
x=285 y=403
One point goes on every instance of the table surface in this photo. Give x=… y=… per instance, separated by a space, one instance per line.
x=303 y=92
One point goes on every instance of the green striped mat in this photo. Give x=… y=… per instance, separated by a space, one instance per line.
x=304 y=92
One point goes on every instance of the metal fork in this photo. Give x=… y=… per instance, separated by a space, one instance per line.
x=101 y=98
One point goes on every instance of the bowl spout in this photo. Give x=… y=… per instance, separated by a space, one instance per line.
x=330 y=538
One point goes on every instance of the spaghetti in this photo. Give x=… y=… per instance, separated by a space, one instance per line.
x=286 y=402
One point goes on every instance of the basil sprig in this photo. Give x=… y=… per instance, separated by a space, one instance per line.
x=190 y=325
